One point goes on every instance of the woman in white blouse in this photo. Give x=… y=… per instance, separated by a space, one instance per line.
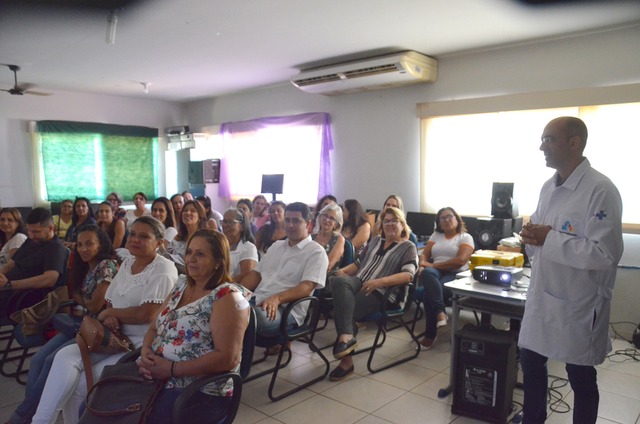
x=12 y=233
x=134 y=298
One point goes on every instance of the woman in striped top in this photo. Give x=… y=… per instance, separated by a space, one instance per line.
x=358 y=289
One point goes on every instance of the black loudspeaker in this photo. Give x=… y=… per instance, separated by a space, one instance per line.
x=502 y=203
x=485 y=374
x=487 y=232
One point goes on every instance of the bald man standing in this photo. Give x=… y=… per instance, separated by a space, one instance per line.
x=574 y=240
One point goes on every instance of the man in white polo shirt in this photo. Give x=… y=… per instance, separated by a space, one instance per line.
x=290 y=270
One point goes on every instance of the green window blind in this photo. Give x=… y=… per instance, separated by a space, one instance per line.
x=92 y=160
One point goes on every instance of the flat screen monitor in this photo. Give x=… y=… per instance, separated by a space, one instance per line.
x=422 y=224
x=272 y=183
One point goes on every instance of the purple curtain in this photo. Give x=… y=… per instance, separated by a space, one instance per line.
x=322 y=120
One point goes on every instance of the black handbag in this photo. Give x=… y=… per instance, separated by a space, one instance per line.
x=121 y=396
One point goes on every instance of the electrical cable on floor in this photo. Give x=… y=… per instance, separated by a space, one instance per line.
x=626 y=354
x=556 y=404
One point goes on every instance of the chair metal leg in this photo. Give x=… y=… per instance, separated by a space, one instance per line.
x=399 y=361
x=314 y=349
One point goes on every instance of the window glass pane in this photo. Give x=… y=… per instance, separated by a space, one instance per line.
x=92 y=165
x=290 y=150
x=69 y=163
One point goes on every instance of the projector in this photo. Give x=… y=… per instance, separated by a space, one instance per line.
x=497 y=275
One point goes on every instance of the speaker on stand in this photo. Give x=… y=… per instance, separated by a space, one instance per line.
x=487 y=231
x=503 y=204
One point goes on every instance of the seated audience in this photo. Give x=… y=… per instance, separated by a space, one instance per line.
x=322 y=202
x=447 y=252
x=162 y=210
x=356 y=228
x=328 y=235
x=289 y=271
x=192 y=218
x=90 y=275
x=38 y=264
x=177 y=201
x=393 y=201
x=273 y=230
x=358 y=289
x=12 y=233
x=244 y=255
x=246 y=207
x=82 y=215
x=260 y=211
x=140 y=201
x=116 y=201
x=134 y=298
x=187 y=196
x=62 y=222
x=115 y=228
x=213 y=217
x=207 y=302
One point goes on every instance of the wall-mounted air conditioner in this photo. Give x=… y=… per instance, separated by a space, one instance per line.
x=374 y=73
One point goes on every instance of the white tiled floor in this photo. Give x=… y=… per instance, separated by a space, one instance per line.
x=403 y=394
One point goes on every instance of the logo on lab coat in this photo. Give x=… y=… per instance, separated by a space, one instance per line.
x=568 y=228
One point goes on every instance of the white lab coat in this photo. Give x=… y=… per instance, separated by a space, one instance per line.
x=566 y=315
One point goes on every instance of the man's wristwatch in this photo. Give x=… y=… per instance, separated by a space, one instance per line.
x=7 y=285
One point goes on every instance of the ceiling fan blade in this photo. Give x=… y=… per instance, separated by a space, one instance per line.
x=37 y=93
x=25 y=86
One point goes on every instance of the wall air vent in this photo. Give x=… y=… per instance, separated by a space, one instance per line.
x=369 y=74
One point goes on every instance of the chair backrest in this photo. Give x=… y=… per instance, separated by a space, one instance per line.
x=248 y=345
x=349 y=254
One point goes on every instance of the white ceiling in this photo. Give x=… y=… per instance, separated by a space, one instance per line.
x=189 y=49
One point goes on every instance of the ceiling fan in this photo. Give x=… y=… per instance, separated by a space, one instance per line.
x=19 y=90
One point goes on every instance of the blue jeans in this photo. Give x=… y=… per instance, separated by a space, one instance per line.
x=270 y=328
x=431 y=295
x=38 y=371
x=583 y=380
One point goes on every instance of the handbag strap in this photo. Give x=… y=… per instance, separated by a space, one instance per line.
x=130 y=409
x=86 y=360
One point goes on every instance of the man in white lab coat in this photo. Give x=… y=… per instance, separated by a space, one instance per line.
x=575 y=241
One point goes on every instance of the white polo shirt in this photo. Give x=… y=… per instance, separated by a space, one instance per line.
x=284 y=267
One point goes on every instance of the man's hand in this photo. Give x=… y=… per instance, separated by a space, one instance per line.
x=534 y=234
x=270 y=306
x=3 y=280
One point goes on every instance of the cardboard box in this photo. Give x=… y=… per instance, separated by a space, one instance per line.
x=496 y=257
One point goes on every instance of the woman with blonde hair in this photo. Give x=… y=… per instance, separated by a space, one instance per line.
x=358 y=289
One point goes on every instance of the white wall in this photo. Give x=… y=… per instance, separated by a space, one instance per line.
x=16 y=179
x=376 y=134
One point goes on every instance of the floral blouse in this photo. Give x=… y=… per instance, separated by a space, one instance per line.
x=184 y=334
x=103 y=272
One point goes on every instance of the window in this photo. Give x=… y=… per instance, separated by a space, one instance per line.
x=462 y=155
x=296 y=146
x=92 y=160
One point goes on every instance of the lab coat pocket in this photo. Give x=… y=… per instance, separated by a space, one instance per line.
x=554 y=312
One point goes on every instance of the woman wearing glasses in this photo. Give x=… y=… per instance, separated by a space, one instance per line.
x=358 y=289
x=244 y=255
x=447 y=252
x=329 y=222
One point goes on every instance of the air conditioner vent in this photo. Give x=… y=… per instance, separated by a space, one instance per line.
x=373 y=70
x=317 y=80
x=374 y=73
